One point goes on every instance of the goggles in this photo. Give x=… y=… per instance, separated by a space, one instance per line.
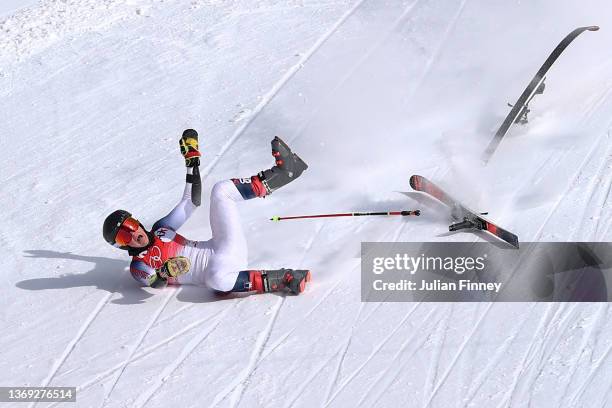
x=124 y=234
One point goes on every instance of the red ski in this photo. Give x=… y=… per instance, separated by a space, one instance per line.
x=466 y=218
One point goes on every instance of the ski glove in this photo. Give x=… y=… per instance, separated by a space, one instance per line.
x=189 y=148
x=173 y=267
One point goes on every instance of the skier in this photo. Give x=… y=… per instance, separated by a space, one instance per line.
x=162 y=256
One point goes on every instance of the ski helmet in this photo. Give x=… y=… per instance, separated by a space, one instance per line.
x=112 y=223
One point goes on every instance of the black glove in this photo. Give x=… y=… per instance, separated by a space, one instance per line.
x=189 y=148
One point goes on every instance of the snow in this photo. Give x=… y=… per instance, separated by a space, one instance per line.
x=93 y=98
x=10 y=6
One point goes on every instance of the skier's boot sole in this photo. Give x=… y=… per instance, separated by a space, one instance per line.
x=304 y=281
x=301 y=286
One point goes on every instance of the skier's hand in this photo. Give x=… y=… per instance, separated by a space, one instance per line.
x=189 y=148
x=173 y=267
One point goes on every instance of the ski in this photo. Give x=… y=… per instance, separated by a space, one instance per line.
x=519 y=111
x=466 y=218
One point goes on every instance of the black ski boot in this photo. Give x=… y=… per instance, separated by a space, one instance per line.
x=289 y=166
x=277 y=280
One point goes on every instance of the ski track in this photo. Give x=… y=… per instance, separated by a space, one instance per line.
x=284 y=337
x=310 y=243
x=572 y=183
x=365 y=57
x=593 y=193
x=329 y=394
x=344 y=350
x=458 y=354
x=313 y=374
x=438 y=50
x=591 y=109
x=397 y=23
x=144 y=398
x=603 y=236
x=237 y=387
x=493 y=362
x=586 y=338
x=605 y=177
x=70 y=347
x=241 y=386
x=533 y=368
x=601 y=206
x=170 y=317
x=169 y=297
x=544 y=320
x=374 y=352
x=256 y=355
x=607 y=402
x=417 y=332
x=608 y=227
x=376 y=306
x=586 y=120
x=548 y=165
x=145 y=352
x=594 y=370
x=379 y=394
x=548 y=347
x=269 y=96
x=434 y=365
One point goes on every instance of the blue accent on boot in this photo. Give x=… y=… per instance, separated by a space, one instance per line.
x=245 y=188
x=243 y=282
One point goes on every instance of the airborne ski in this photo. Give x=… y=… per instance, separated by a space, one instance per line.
x=518 y=113
x=466 y=218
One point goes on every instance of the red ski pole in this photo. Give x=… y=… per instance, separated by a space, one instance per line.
x=353 y=214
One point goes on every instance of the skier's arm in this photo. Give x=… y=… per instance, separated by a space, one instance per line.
x=192 y=195
x=183 y=210
x=147 y=275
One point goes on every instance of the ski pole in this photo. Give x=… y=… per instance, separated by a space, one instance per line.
x=353 y=214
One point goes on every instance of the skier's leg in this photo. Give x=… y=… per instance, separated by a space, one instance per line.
x=222 y=271
x=229 y=243
x=224 y=217
x=227 y=234
x=230 y=251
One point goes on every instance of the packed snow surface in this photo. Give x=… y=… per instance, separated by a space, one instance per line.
x=94 y=95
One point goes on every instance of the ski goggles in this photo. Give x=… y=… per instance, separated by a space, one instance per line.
x=124 y=234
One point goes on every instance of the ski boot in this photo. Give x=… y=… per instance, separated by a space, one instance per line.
x=289 y=166
x=272 y=281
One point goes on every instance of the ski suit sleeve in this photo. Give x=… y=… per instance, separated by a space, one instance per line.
x=183 y=210
x=145 y=274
